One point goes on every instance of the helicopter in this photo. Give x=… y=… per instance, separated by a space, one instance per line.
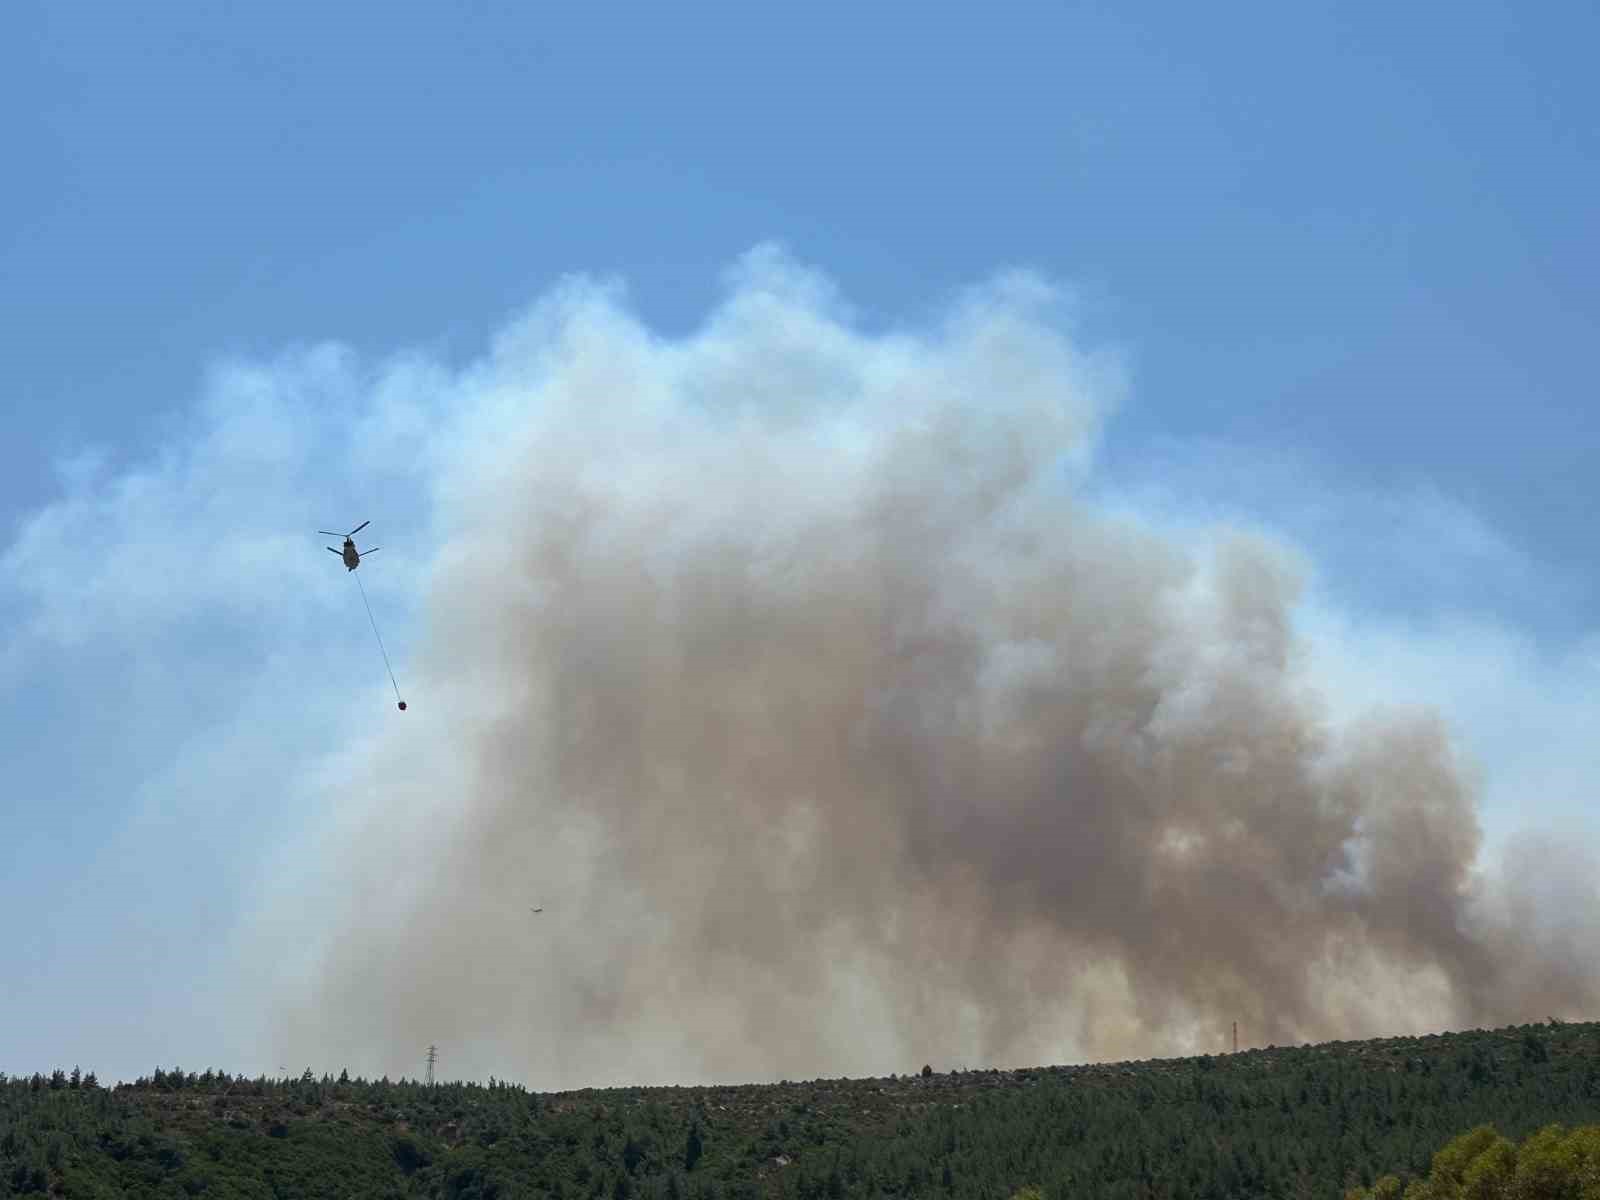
x=351 y=556
x=352 y=560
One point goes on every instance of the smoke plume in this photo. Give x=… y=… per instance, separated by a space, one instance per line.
x=790 y=667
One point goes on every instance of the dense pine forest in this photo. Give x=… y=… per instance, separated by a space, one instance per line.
x=1314 y=1121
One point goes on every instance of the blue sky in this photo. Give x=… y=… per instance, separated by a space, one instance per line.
x=1344 y=253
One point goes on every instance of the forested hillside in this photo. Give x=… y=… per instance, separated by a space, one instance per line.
x=1303 y=1122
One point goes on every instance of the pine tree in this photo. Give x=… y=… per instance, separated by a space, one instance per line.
x=693 y=1147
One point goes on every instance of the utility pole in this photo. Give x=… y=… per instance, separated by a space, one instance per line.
x=433 y=1054
x=1236 y=1037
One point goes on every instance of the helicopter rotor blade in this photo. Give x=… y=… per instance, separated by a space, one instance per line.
x=358 y=529
x=329 y=533
x=374 y=550
x=331 y=550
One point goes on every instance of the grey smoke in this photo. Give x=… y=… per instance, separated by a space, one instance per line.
x=791 y=668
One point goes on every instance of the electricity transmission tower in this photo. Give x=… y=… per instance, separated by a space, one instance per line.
x=433 y=1055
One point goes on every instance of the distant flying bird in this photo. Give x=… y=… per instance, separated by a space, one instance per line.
x=539 y=909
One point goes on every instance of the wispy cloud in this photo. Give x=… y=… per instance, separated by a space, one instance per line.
x=1407 y=548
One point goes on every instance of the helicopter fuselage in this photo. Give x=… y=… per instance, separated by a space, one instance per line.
x=351 y=559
